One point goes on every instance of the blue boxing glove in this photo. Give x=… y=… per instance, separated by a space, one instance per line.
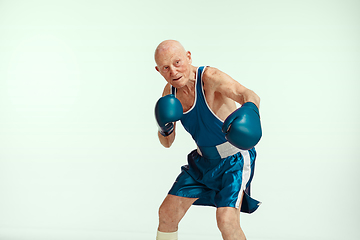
x=168 y=109
x=242 y=128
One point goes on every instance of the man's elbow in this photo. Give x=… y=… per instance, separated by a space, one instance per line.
x=166 y=145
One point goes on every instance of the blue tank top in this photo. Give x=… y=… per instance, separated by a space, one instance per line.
x=203 y=125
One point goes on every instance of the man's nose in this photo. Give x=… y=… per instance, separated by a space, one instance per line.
x=172 y=70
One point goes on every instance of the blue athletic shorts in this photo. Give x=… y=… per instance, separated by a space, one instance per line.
x=218 y=182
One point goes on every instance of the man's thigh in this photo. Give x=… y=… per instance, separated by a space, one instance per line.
x=171 y=211
x=229 y=213
x=177 y=204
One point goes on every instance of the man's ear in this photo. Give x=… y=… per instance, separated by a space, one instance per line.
x=157 y=69
x=188 y=54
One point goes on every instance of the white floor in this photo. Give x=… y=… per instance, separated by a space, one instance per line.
x=55 y=234
x=46 y=234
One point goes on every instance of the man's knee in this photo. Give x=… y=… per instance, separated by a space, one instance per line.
x=227 y=218
x=223 y=222
x=167 y=214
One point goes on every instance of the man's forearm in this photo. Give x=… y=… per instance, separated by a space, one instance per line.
x=168 y=140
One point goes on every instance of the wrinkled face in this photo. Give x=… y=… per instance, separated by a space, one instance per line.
x=173 y=63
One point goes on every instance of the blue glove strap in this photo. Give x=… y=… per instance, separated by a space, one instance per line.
x=167 y=129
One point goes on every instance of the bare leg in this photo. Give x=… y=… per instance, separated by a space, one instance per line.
x=228 y=220
x=171 y=211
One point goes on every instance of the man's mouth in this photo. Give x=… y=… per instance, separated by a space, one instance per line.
x=176 y=79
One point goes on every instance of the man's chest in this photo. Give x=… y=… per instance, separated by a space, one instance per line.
x=188 y=100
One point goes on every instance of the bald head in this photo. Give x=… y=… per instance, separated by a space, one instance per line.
x=168 y=46
x=174 y=63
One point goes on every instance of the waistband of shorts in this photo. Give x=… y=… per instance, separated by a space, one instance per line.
x=223 y=150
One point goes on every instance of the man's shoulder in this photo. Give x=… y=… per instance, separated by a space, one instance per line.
x=212 y=74
x=210 y=71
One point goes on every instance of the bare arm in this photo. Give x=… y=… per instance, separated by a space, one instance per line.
x=168 y=140
x=226 y=85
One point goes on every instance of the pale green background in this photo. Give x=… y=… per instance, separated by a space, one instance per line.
x=79 y=156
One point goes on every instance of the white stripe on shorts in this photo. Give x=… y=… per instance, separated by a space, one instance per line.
x=246 y=172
